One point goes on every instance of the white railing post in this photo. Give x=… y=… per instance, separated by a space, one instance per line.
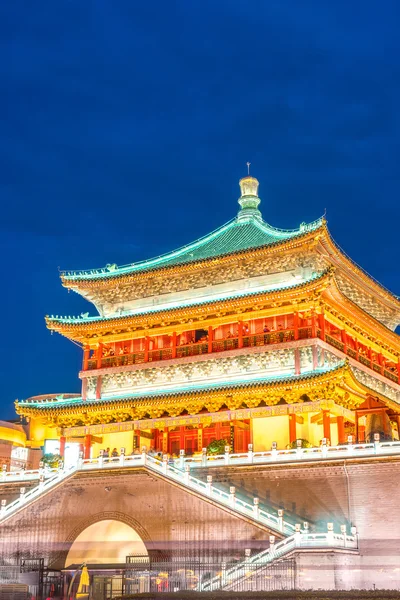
x=271 y=544
x=4 y=471
x=344 y=534
x=330 y=533
x=306 y=526
x=350 y=444
x=227 y=452
x=203 y=457
x=223 y=574
x=232 y=495
x=80 y=460
x=122 y=457
x=299 y=449
x=41 y=480
x=187 y=474
x=274 y=451
x=250 y=453
x=41 y=468
x=297 y=534
x=60 y=468
x=209 y=485
x=165 y=463
x=247 y=554
x=377 y=444
x=101 y=458
x=21 y=493
x=324 y=448
x=3 y=507
x=353 y=531
x=144 y=454
x=280 y=519
x=181 y=459
x=256 y=507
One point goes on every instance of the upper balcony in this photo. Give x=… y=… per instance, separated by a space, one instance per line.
x=234 y=336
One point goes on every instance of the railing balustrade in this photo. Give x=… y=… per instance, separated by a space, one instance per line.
x=233 y=343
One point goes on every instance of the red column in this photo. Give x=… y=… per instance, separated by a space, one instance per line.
x=296 y=325
x=313 y=324
x=98 y=388
x=292 y=428
x=152 y=442
x=182 y=437
x=174 y=344
x=297 y=367
x=340 y=430
x=99 y=354
x=240 y=334
x=165 y=441
x=85 y=363
x=210 y=339
x=398 y=372
x=356 y=347
x=88 y=442
x=322 y=324
x=146 y=348
x=356 y=432
x=326 y=420
x=63 y=439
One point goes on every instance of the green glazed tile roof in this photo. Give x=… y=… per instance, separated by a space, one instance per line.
x=77 y=320
x=182 y=390
x=237 y=235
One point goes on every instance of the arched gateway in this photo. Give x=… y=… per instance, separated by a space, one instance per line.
x=107 y=541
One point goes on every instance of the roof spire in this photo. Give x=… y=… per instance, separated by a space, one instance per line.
x=249 y=199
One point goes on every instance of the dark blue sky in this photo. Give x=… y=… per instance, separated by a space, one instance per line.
x=126 y=126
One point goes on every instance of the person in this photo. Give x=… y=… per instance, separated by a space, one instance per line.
x=114 y=452
x=266 y=329
x=106 y=453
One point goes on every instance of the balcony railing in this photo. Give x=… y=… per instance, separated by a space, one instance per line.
x=234 y=343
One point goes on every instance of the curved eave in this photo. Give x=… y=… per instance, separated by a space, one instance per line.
x=333 y=249
x=107 y=280
x=71 y=327
x=195 y=391
x=374 y=327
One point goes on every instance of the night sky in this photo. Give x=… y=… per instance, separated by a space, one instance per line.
x=126 y=126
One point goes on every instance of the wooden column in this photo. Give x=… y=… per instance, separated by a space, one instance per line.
x=356 y=433
x=136 y=439
x=146 y=348
x=292 y=428
x=199 y=438
x=326 y=421
x=322 y=324
x=63 y=440
x=313 y=324
x=210 y=339
x=340 y=430
x=99 y=354
x=165 y=441
x=88 y=443
x=296 y=325
x=173 y=342
x=240 y=334
x=356 y=348
x=86 y=354
x=153 y=439
x=98 y=388
x=182 y=437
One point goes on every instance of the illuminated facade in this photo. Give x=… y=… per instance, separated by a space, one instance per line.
x=251 y=334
